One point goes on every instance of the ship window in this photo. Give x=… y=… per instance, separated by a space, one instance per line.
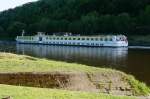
x=78 y=38
x=57 y=38
x=65 y=38
x=92 y=39
x=54 y=38
x=110 y=39
x=69 y=38
x=106 y=39
x=61 y=38
x=87 y=39
x=74 y=38
x=96 y=39
x=40 y=38
x=83 y=38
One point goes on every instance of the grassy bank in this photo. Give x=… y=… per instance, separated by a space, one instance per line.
x=11 y=63
x=19 y=63
x=38 y=93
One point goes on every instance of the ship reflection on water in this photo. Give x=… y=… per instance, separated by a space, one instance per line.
x=94 y=56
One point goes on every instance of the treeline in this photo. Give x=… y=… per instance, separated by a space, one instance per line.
x=86 y=17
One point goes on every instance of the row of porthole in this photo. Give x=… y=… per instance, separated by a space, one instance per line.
x=92 y=39
x=25 y=38
x=28 y=38
x=69 y=43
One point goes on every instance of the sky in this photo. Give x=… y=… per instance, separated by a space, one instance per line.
x=6 y=4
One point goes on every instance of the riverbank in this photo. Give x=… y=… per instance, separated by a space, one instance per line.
x=139 y=40
x=35 y=72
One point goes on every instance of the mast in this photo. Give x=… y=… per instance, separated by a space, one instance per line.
x=23 y=32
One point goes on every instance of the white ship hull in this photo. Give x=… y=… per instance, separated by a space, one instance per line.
x=98 y=44
x=106 y=41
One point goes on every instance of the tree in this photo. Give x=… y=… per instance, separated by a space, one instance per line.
x=75 y=27
x=16 y=29
x=89 y=23
x=122 y=23
x=143 y=20
x=2 y=34
x=86 y=17
x=1 y=29
x=106 y=23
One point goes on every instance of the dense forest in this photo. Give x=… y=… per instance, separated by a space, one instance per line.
x=85 y=17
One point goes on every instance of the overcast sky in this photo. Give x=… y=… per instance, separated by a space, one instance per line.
x=6 y=4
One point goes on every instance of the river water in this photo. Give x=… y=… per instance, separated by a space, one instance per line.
x=132 y=60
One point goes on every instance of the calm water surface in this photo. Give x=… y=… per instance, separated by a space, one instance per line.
x=132 y=60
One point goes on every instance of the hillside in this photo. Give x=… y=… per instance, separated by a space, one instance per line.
x=87 y=17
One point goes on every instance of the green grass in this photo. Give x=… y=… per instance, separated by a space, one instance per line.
x=39 y=93
x=19 y=63
x=139 y=88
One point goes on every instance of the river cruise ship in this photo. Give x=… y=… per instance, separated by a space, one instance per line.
x=77 y=40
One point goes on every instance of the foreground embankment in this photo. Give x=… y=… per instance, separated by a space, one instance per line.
x=109 y=83
x=28 y=71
